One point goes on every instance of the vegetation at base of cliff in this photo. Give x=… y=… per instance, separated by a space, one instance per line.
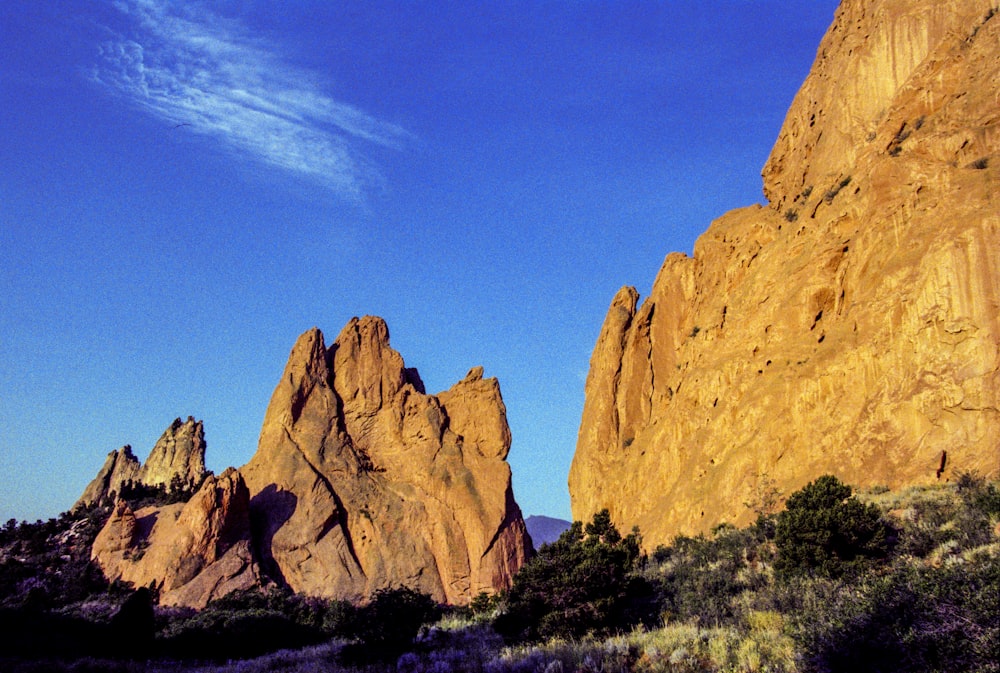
x=46 y=564
x=824 y=530
x=875 y=581
x=584 y=582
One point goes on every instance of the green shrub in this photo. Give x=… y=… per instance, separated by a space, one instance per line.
x=824 y=530
x=581 y=582
x=916 y=618
x=46 y=564
x=253 y=622
x=699 y=578
x=387 y=626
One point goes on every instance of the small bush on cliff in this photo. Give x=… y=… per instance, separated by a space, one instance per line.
x=583 y=582
x=824 y=530
x=139 y=495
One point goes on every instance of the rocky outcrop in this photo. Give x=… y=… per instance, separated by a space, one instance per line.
x=852 y=326
x=120 y=467
x=178 y=458
x=362 y=481
x=177 y=462
x=191 y=552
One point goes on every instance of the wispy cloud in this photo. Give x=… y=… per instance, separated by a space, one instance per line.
x=189 y=66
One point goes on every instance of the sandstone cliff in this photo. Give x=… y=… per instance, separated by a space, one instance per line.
x=362 y=481
x=849 y=327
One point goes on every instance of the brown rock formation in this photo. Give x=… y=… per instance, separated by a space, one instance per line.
x=362 y=481
x=850 y=327
x=193 y=552
x=120 y=467
x=178 y=456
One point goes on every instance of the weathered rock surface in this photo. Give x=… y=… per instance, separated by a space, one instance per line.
x=850 y=327
x=176 y=461
x=193 y=552
x=178 y=458
x=361 y=481
x=120 y=467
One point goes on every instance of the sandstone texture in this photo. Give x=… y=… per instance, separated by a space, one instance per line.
x=178 y=458
x=362 y=481
x=852 y=325
x=192 y=552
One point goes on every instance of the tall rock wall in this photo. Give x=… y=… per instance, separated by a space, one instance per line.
x=362 y=481
x=852 y=326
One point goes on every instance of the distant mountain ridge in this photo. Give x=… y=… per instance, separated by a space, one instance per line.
x=545 y=529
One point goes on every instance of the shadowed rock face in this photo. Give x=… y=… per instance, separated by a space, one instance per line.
x=361 y=481
x=850 y=327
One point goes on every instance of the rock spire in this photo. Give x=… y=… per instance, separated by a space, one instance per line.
x=361 y=482
x=177 y=461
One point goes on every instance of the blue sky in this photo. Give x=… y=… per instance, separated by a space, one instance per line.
x=185 y=187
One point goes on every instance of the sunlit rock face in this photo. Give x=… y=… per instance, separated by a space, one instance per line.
x=849 y=327
x=178 y=459
x=361 y=481
x=177 y=462
x=191 y=552
x=120 y=467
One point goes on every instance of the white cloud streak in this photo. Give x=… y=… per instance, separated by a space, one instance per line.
x=187 y=65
